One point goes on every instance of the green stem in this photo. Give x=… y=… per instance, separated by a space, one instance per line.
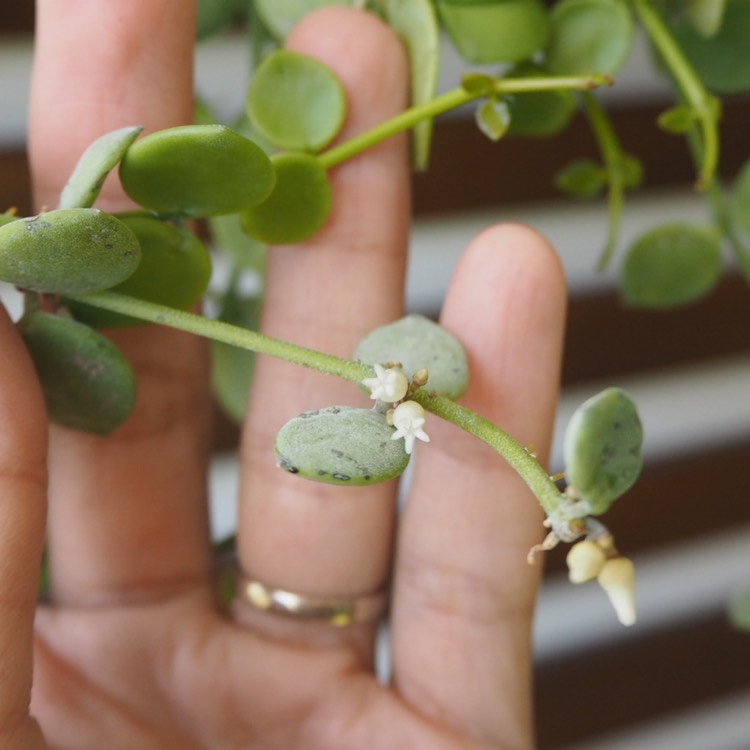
x=612 y=156
x=512 y=451
x=518 y=456
x=450 y=101
x=689 y=84
x=722 y=215
x=226 y=333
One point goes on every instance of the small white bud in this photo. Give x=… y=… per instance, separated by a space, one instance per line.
x=389 y=384
x=585 y=561
x=408 y=419
x=617 y=578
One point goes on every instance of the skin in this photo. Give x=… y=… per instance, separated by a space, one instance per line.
x=132 y=651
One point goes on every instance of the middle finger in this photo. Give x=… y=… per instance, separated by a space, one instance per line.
x=327 y=293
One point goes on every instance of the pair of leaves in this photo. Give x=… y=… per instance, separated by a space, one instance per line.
x=352 y=446
x=295 y=103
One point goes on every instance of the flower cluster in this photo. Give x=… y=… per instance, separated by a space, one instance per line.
x=390 y=386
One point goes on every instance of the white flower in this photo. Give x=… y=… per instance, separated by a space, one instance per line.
x=388 y=385
x=617 y=578
x=408 y=419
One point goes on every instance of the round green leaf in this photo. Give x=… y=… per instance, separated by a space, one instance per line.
x=538 y=113
x=721 y=60
x=68 y=251
x=296 y=102
x=589 y=36
x=418 y=342
x=298 y=206
x=175 y=269
x=495 y=31
x=281 y=16
x=97 y=161
x=583 y=179
x=87 y=382
x=602 y=449
x=671 y=265
x=493 y=118
x=740 y=205
x=196 y=170
x=341 y=445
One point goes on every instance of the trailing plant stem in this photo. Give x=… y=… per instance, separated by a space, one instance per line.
x=226 y=333
x=522 y=460
x=613 y=158
x=689 y=83
x=518 y=456
x=449 y=101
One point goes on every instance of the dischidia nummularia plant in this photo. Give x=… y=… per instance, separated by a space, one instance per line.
x=264 y=179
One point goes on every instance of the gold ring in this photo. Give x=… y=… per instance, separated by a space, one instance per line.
x=332 y=610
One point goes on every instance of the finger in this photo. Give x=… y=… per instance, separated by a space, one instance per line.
x=127 y=513
x=463 y=587
x=23 y=483
x=326 y=294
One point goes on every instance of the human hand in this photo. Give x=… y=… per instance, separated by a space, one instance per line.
x=133 y=651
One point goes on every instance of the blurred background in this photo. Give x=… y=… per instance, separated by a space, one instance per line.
x=680 y=677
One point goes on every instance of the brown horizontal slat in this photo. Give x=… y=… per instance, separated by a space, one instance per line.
x=640 y=680
x=17 y=16
x=605 y=337
x=15 y=184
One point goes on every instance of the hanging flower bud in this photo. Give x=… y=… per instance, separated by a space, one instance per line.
x=617 y=578
x=585 y=561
